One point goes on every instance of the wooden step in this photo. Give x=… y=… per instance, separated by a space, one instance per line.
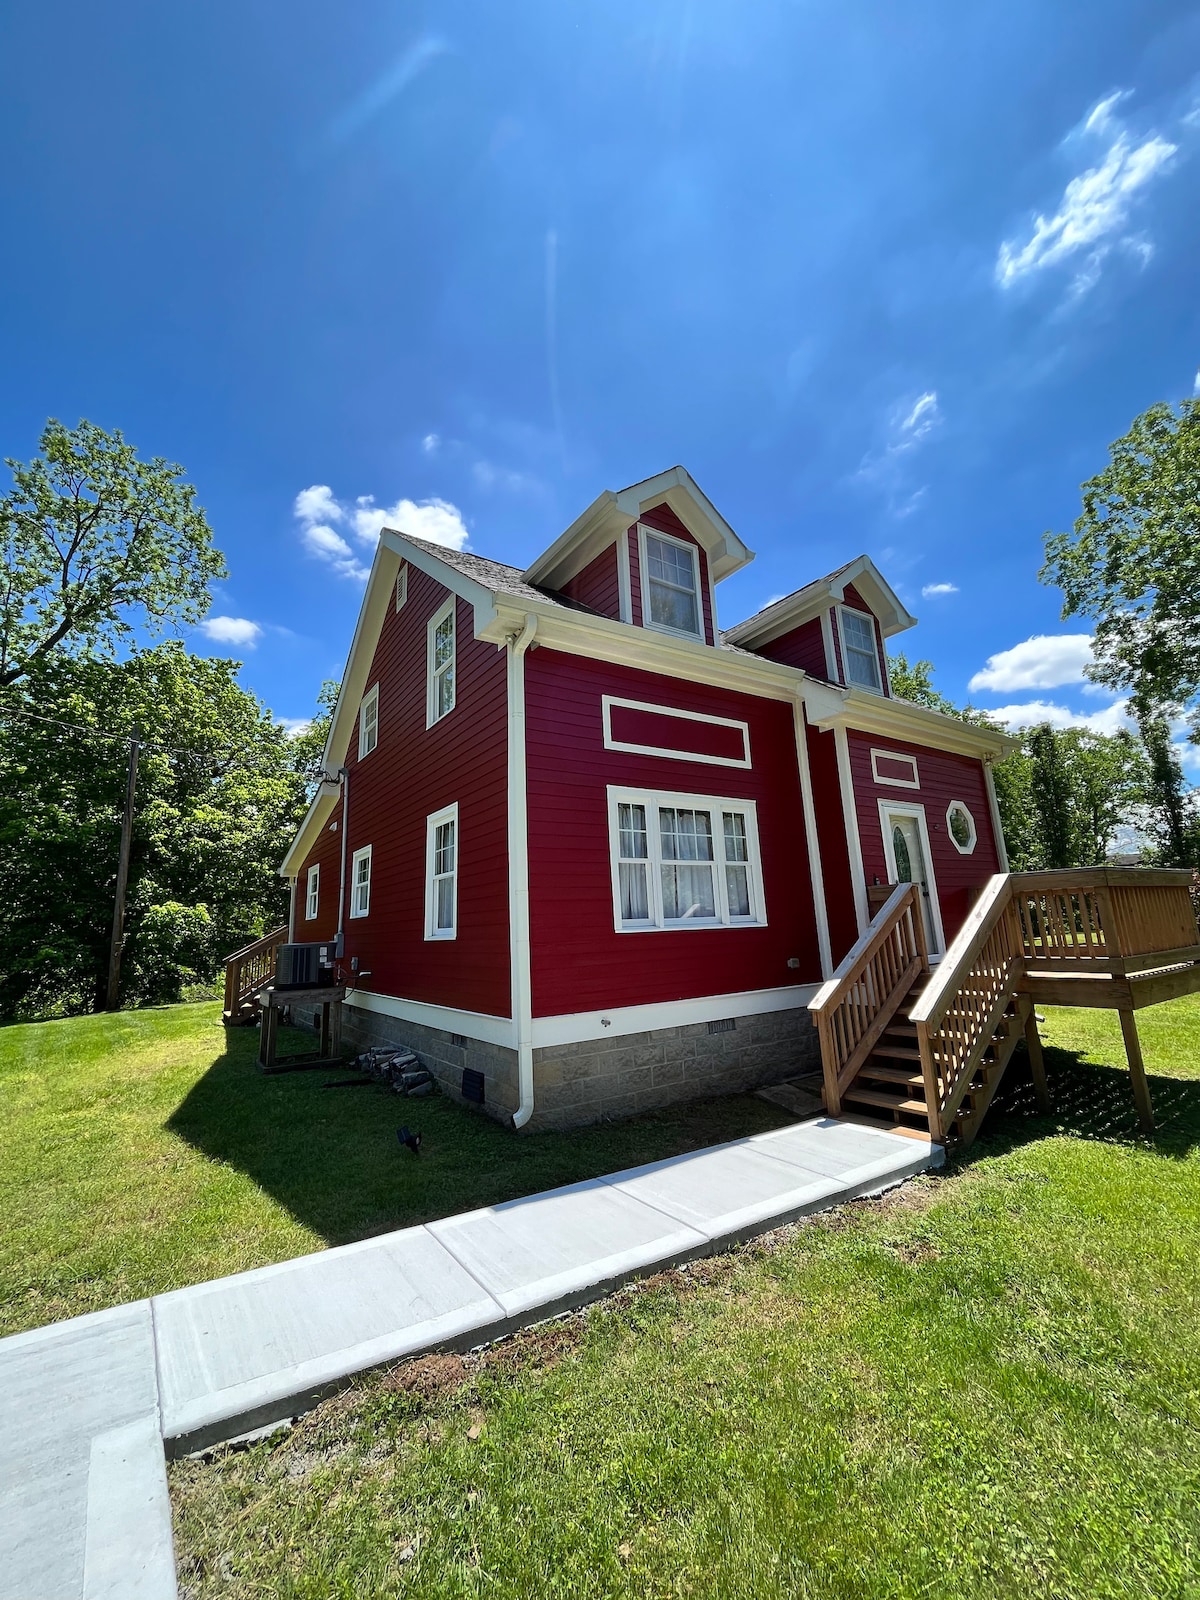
x=862 y=1120
x=873 y=1097
x=891 y=1074
x=897 y=1052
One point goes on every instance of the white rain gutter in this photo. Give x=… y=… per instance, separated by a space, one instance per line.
x=518 y=869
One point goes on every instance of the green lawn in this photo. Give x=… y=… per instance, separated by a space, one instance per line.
x=144 y=1150
x=985 y=1385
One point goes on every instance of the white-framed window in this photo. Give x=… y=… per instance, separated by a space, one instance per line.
x=684 y=861
x=860 y=652
x=670 y=572
x=360 y=882
x=960 y=825
x=368 y=722
x=440 y=701
x=441 y=874
x=402 y=585
x=312 y=898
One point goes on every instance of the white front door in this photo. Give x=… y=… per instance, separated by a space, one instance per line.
x=906 y=850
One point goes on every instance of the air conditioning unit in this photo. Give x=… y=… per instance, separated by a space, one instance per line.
x=304 y=966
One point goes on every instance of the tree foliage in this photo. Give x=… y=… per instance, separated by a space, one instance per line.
x=1132 y=561
x=220 y=793
x=94 y=541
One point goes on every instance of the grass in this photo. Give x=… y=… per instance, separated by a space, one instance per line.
x=143 y=1151
x=986 y=1385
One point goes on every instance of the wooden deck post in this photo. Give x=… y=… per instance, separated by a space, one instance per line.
x=1037 y=1062
x=1137 y=1068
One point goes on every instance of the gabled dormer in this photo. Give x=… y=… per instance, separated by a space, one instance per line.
x=833 y=628
x=649 y=555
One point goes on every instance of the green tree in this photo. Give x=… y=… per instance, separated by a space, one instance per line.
x=308 y=747
x=1050 y=789
x=915 y=683
x=1172 y=819
x=95 y=541
x=1132 y=561
x=220 y=793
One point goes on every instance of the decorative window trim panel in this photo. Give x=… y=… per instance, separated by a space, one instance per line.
x=608 y=701
x=653 y=802
x=368 y=723
x=643 y=533
x=360 y=901
x=914 y=782
x=845 y=611
x=312 y=893
x=435 y=708
x=434 y=877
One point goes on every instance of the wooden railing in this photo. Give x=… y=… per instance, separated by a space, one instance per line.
x=854 y=1007
x=248 y=969
x=962 y=1005
x=1105 y=920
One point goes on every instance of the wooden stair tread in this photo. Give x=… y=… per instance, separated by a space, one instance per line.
x=897 y=1052
x=874 y=1097
x=891 y=1074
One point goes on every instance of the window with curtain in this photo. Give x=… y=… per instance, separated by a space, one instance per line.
x=441 y=874
x=684 y=861
x=859 y=650
x=441 y=664
x=672 y=585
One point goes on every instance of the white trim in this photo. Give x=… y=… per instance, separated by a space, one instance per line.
x=858 y=873
x=804 y=604
x=520 y=966
x=402 y=586
x=474 y=1024
x=994 y=809
x=624 y=579
x=312 y=893
x=448 y=610
x=644 y=583
x=436 y=820
x=913 y=809
x=896 y=783
x=963 y=849
x=652 y=799
x=619 y=1021
x=845 y=611
x=291 y=910
x=609 y=700
x=364 y=854
x=815 y=871
x=830 y=707
x=831 y=664
x=371 y=699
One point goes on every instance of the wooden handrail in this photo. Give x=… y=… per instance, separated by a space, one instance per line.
x=854 y=1006
x=247 y=969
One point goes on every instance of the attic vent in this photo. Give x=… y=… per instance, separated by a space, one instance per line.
x=725 y=1025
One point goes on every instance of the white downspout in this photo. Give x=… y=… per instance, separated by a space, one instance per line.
x=518 y=870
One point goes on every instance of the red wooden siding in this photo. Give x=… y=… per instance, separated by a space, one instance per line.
x=944 y=778
x=598 y=585
x=802 y=647
x=665 y=520
x=856 y=603
x=327 y=853
x=579 y=961
x=652 y=728
x=412 y=772
x=831 y=833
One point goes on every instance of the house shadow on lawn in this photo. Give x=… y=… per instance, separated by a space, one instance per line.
x=1089 y=1101
x=331 y=1157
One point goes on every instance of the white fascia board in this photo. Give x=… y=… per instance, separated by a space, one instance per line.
x=810 y=601
x=671 y=656
x=315 y=819
x=830 y=707
x=474 y=593
x=474 y=1024
x=891 y=613
x=619 y=1021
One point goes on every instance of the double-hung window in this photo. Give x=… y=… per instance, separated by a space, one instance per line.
x=441 y=688
x=441 y=874
x=360 y=882
x=859 y=650
x=684 y=861
x=670 y=584
x=313 y=897
x=368 y=723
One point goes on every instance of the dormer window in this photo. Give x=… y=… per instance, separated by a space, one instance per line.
x=860 y=654
x=670 y=584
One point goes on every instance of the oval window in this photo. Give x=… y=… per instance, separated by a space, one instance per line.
x=961 y=826
x=900 y=850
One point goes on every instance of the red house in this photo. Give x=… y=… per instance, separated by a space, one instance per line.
x=587 y=852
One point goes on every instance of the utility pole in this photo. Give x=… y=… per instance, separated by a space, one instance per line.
x=113 y=1000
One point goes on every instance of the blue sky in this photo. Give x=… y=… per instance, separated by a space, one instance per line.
x=883 y=278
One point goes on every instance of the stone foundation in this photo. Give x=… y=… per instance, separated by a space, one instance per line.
x=574 y=1084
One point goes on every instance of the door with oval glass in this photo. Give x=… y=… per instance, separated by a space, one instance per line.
x=906 y=849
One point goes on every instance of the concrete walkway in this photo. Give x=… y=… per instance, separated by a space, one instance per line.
x=87 y=1406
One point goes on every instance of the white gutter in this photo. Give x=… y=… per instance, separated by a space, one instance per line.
x=518 y=869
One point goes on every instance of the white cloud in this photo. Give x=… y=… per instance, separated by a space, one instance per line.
x=920 y=420
x=317 y=509
x=232 y=630
x=430 y=443
x=294 y=726
x=1196 y=382
x=1094 y=211
x=1044 y=662
x=932 y=590
x=910 y=424
x=1110 y=720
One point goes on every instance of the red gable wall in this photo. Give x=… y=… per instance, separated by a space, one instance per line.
x=802 y=647
x=598 y=585
x=579 y=961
